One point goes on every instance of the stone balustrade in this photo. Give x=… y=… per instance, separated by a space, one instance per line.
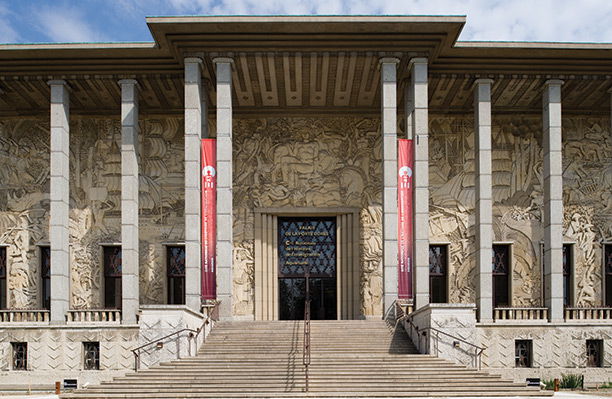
x=24 y=315
x=520 y=313
x=588 y=313
x=94 y=316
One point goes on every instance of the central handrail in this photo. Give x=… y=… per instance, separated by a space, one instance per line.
x=212 y=315
x=306 y=351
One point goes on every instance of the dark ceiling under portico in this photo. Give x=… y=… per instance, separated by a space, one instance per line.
x=304 y=64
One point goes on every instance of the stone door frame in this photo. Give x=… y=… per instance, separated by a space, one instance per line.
x=347 y=254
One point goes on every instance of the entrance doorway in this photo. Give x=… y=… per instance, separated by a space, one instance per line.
x=307 y=267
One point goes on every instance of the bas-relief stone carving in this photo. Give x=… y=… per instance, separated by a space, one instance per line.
x=95 y=203
x=451 y=179
x=517 y=163
x=96 y=208
x=24 y=205
x=162 y=201
x=314 y=162
x=323 y=162
x=587 y=198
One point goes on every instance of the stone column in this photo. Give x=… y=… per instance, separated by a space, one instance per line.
x=129 y=201
x=409 y=111
x=484 y=199
x=60 y=199
x=388 y=102
x=420 y=126
x=193 y=136
x=553 y=200
x=224 y=186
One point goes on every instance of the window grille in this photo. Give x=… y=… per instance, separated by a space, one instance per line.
x=438 y=259
x=112 y=277
x=176 y=274
x=3 y=278
x=594 y=349
x=501 y=273
x=45 y=275
x=91 y=351
x=608 y=273
x=522 y=352
x=20 y=355
x=567 y=274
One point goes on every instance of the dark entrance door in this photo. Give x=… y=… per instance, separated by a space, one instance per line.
x=307 y=267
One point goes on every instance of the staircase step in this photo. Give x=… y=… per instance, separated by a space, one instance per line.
x=352 y=358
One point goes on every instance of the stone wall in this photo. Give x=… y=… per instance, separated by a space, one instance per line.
x=518 y=199
x=55 y=353
x=307 y=162
x=24 y=205
x=95 y=203
x=303 y=161
x=556 y=348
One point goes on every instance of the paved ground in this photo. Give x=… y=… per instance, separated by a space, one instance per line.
x=559 y=395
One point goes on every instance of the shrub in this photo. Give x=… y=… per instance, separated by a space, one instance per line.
x=570 y=381
x=550 y=384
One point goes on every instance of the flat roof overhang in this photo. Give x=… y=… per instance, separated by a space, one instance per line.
x=292 y=62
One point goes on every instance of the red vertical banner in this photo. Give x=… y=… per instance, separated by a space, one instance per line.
x=405 y=217
x=209 y=218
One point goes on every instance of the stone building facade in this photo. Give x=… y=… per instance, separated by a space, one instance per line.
x=100 y=149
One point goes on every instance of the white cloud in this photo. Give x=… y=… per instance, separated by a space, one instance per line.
x=540 y=20
x=487 y=20
x=66 y=25
x=8 y=34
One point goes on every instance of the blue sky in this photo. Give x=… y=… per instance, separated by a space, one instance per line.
x=32 y=21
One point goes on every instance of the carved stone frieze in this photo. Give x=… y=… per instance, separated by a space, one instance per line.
x=517 y=163
x=24 y=205
x=587 y=200
x=307 y=162
x=95 y=203
x=298 y=162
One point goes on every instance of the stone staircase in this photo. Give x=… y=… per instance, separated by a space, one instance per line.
x=264 y=359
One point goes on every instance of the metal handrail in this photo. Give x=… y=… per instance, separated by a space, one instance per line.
x=192 y=334
x=425 y=331
x=306 y=351
x=401 y=315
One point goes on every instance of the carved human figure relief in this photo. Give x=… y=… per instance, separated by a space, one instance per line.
x=306 y=162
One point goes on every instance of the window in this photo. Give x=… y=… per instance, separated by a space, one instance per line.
x=522 y=352
x=543 y=275
x=112 y=277
x=176 y=274
x=45 y=276
x=438 y=260
x=608 y=273
x=3 y=278
x=91 y=352
x=20 y=355
x=501 y=271
x=594 y=349
x=567 y=274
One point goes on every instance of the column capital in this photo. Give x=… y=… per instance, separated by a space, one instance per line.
x=122 y=82
x=58 y=82
x=553 y=82
x=223 y=60
x=482 y=81
x=388 y=60
x=193 y=60
x=417 y=60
